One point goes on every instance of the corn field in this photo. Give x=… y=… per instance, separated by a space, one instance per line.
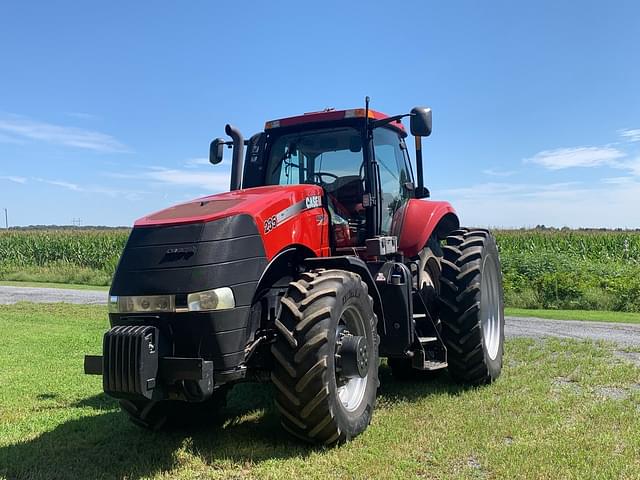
x=574 y=269
x=583 y=245
x=66 y=256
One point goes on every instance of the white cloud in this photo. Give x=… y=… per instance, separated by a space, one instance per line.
x=633 y=166
x=61 y=183
x=498 y=173
x=111 y=192
x=618 y=180
x=194 y=162
x=630 y=134
x=562 y=158
x=211 y=181
x=17 y=128
x=14 y=179
x=509 y=190
x=612 y=204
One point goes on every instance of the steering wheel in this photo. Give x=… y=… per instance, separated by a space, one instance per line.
x=327 y=174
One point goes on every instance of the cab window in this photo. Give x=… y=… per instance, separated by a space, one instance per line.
x=394 y=176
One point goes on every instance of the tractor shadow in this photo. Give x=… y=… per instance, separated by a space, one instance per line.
x=419 y=386
x=107 y=445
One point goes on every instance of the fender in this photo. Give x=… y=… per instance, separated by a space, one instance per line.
x=423 y=218
x=356 y=265
x=283 y=267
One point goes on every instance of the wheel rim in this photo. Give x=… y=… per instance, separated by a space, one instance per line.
x=429 y=274
x=350 y=390
x=490 y=308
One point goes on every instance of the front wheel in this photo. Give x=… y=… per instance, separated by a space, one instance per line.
x=326 y=357
x=472 y=310
x=174 y=414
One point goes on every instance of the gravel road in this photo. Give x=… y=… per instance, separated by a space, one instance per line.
x=51 y=295
x=621 y=333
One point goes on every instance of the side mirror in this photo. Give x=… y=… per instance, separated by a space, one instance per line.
x=216 y=151
x=422 y=192
x=420 y=121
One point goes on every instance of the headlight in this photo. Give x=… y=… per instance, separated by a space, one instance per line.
x=142 y=304
x=216 y=299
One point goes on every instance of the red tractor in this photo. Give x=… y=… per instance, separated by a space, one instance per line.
x=323 y=257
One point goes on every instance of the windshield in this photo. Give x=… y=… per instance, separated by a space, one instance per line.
x=333 y=159
x=316 y=156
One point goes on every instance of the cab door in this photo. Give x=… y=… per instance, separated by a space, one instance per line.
x=395 y=179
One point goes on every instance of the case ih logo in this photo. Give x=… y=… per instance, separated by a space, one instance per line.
x=313 y=201
x=178 y=253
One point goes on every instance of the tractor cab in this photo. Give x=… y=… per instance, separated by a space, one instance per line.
x=359 y=157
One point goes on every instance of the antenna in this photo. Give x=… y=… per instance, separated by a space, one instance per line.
x=366 y=110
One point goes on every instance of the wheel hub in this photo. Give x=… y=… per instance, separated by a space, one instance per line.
x=352 y=356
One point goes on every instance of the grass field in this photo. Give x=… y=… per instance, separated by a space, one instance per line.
x=562 y=409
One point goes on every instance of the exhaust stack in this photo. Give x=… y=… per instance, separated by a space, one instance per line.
x=238 y=151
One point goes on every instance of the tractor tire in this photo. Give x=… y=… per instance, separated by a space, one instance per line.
x=427 y=281
x=472 y=309
x=145 y=414
x=326 y=357
x=174 y=414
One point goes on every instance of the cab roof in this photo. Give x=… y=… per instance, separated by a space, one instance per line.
x=329 y=115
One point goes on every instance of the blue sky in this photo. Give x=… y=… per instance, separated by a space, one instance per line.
x=107 y=109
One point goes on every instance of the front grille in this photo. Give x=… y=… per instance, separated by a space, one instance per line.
x=130 y=360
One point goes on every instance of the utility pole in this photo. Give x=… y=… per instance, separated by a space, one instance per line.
x=6 y=219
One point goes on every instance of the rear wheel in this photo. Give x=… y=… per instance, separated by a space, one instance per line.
x=326 y=357
x=426 y=281
x=472 y=310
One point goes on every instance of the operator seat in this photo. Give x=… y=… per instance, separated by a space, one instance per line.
x=348 y=192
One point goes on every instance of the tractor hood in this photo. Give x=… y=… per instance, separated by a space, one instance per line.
x=260 y=203
x=223 y=240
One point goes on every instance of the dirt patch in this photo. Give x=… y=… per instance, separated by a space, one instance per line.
x=631 y=357
x=611 y=393
x=566 y=384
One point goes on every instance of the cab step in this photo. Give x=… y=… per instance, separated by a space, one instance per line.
x=426 y=340
x=420 y=362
